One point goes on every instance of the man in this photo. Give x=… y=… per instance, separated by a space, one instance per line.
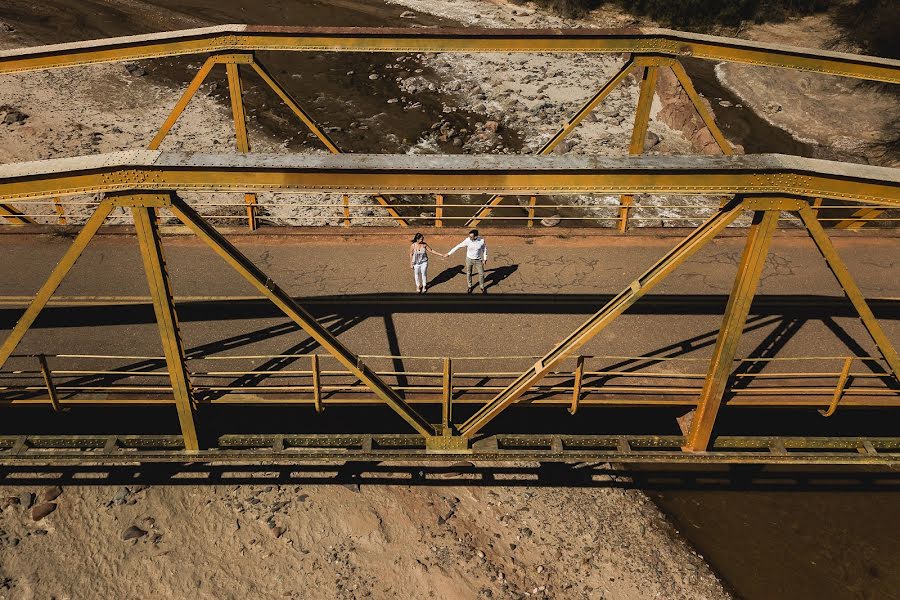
x=476 y=256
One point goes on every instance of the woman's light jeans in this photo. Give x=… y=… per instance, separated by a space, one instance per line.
x=420 y=271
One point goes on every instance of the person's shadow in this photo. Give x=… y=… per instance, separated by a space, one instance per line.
x=494 y=276
x=445 y=276
x=491 y=276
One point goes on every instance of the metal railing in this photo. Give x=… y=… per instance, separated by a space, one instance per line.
x=815 y=382
x=363 y=212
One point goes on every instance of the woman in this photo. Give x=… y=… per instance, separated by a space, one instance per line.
x=418 y=259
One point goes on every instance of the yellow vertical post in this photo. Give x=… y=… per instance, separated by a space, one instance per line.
x=447 y=397
x=839 y=388
x=639 y=133
x=48 y=381
x=160 y=291
x=346 y=201
x=60 y=211
x=438 y=210
x=745 y=283
x=531 y=203
x=317 y=383
x=576 y=389
x=240 y=130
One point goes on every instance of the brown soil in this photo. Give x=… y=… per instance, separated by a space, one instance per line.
x=346 y=541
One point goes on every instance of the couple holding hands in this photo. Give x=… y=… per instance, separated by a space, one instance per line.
x=476 y=258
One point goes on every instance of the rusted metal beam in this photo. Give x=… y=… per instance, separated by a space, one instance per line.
x=763 y=174
x=564 y=130
x=14 y=215
x=237 y=38
x=289 y=449
x=149 y=241
x=846 y=281
x=298 y=314
x=54 y=280
x=649 y=76
x=317 y=131
x=615 y=307
x=745 y=283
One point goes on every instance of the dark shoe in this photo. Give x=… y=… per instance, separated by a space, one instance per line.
x=471 y=288
x=484 y=290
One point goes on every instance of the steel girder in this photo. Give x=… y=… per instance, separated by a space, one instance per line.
x=763 y=174
x=243 y=38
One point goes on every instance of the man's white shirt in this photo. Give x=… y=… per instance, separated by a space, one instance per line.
x=475 y=249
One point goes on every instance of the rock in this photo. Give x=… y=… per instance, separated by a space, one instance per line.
x=135 y=70
x=14 y=117
x=651 y=141
x=725 y=103
x=551 y=221
x=393 y=101
x=6 y=27
x=562 y=148
x=26 y=499
x=373 y=76
x=121 y=495
x=407 y=14
x=133 y=533
x=492 y=126
x=39 y=511
x=770 y=108
x=9 y=501
x=277 y=532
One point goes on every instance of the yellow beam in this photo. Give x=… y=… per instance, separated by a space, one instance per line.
x=615 y=307
x=298 y=314
x=15 y=216
x=639 y=132
x=745 y=283
x=564 y=130
x=704 y=112
x=845 y=279
x=315 y=129
x=54 y=280
x=238 y=38
x=182 y=103
x=404 y=174
x=166 y=319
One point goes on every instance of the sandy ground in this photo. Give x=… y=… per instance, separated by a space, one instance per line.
x=837 y=114
x=344 y=541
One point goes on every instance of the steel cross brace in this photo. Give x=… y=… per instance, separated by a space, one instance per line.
x=231 y=62
x=143 y=206
x=615 y=307
x=650 y=66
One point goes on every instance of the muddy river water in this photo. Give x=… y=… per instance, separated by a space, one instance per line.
x=801 y=542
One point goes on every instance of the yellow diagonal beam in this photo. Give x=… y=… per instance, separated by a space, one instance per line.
x=315 y=129
x=746 y=282
x=298 y=314
x=166 y=319
x=182 y=103
x=615 y=307
x=564 y=130
x=845 y=279
x=54 y=280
